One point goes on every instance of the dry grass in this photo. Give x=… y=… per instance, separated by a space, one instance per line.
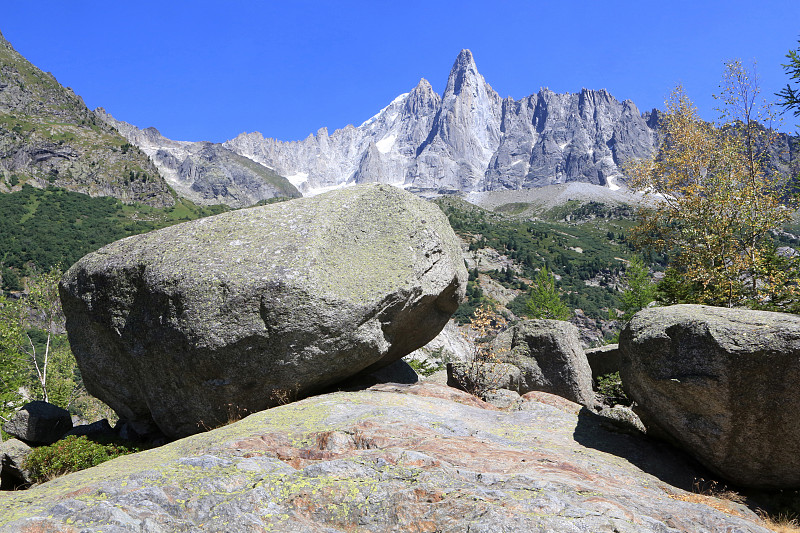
x=723 y=499
x=711 y=501
x=285 y=396
x=714 y=495
x=780 y=523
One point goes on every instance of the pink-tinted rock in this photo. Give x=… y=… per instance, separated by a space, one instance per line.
x=417 y=457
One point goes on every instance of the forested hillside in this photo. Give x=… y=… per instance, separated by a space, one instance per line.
x=584 y=245
x=43 y=228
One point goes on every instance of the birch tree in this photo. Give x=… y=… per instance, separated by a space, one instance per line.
x=718 y=201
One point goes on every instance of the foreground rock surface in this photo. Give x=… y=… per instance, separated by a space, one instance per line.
x=189 y=325
x=410 y=458
x=721 y=383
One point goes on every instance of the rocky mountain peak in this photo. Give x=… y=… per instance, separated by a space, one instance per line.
x=50 y=137
x=464 y=74
x=454 y=142
x=422 y=99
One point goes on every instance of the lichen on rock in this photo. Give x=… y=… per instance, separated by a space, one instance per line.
x=180 y=326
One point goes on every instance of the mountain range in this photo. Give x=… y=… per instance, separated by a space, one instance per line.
x=468 y=139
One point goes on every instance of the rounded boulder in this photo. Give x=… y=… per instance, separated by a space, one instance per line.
x=722 y=384
x=188 y=326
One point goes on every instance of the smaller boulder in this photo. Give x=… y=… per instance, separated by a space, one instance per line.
x=624 y=419
x=13 y=474
x=503 y=399
x=603 y=360
x=721 y=384
x=550 y=358
x=101 y=428
x=39 y=423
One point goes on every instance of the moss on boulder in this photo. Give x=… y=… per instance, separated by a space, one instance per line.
x=181 y=327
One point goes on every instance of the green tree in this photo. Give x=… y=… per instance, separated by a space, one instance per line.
x=13 y=365
x=790 y=96
x=545 y=301
x=639 y=290
x=51 y=361
x=718 y=200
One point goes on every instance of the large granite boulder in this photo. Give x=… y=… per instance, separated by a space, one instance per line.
x=722 y=384
x=418 y=457
x=550 y=358
x=39 y=423
x=234 y=313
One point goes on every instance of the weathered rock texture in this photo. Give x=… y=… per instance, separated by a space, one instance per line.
x=722 y=383
x=550 y=358
x=206 y=173
x=13 y=474
x=392 y=458
x=39 y=423
x=604 y=360
x=48 y=136
x=238 y=312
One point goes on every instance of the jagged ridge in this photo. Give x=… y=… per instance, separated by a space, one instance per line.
x=469 y=139
x=204 y=172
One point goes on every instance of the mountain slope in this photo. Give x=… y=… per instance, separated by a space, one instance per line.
x=48 y=136
x=205 y=173
x=469 y=139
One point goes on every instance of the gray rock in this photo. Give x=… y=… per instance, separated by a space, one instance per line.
x=39 y=423
x=603 y=360
x=206 y=173
x=392 y=458
x=624 y=418
x=483 y=377
x=549 y=356
x=13 y=473
x=504 y=399
x=722 y=384
x=95 y=429
x=178 y=326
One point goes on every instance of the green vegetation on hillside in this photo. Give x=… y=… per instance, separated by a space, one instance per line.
x=587 y=253
x=72 y=454
x=44 y=228
x=48 y=135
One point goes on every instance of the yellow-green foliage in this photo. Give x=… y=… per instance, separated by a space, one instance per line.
x=719 y=201
x=72 y=454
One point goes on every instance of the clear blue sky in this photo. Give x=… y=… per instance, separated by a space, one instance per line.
x=205 y=70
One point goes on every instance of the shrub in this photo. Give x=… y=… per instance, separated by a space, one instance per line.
x=72 y=454
x=609 y=386
x=424 y=367
x=483 y=368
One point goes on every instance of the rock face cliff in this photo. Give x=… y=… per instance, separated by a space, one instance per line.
x=469 y=139
x=48 y=136
x=204 y=172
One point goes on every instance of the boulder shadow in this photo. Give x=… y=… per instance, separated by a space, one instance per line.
x=655 y=457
